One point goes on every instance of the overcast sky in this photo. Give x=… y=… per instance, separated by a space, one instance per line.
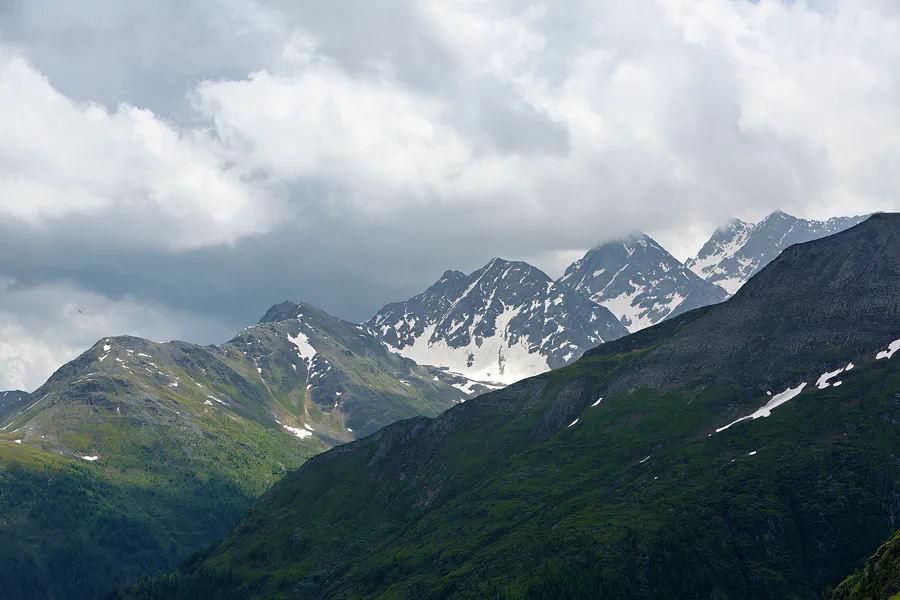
x=170 y=168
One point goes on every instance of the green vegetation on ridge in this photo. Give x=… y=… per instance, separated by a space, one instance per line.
x=136 y=453
x=636 y=500
x=613 y=477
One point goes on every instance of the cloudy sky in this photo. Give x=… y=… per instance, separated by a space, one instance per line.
x=170 y=168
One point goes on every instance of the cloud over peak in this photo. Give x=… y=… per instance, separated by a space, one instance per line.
x=209 y=157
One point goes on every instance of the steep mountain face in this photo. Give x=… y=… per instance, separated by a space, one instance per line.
x=11 y=401
x=738 y=250
x=136 y=453
x=345 y=377
x=639 y=282
x=502 y=323
x=769 y=471
x=845 y=299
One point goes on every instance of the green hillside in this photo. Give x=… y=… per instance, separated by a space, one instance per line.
x=636 y=500
x=137 y=453
x=631 y=474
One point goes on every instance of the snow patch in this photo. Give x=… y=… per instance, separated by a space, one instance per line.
x=823 y=382
x=300 y=433
x=632 y=315
x=90 y=458
x=304 y=348
x=776 y=401
x=573 y=422
x=597 y=402
x=731 y=284
x=467 y=387
x=893 y=347
x=497 y=359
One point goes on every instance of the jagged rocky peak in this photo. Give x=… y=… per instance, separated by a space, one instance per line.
x=738 y=250
x=501 y=323
x=639 y=281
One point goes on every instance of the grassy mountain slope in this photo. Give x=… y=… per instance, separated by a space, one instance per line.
x=123 y=465
x=136 y=453
x=879 y=579
x=616 y=477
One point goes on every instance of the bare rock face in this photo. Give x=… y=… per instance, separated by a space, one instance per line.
x=739 y=250
x=838 y=292
x=502 y=323
x=640 y=282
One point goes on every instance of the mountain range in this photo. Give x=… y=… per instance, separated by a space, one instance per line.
x=741 y=450
x=502 y=323
x=640 y=282
x=738 y=250
x=509 y=320
x=136 y=453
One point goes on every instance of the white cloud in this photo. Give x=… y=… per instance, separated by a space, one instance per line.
x=321 y=123
x=60 y=159
x=704 y=111
x=671 y=112
x=398 y=138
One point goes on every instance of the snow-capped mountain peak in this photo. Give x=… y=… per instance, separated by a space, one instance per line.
x=503 y=322
x=639 y=281
x=720 y=250
x=738 y=250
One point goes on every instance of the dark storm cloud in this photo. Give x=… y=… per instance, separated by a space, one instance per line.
x=149 y=53
x=347 y=153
